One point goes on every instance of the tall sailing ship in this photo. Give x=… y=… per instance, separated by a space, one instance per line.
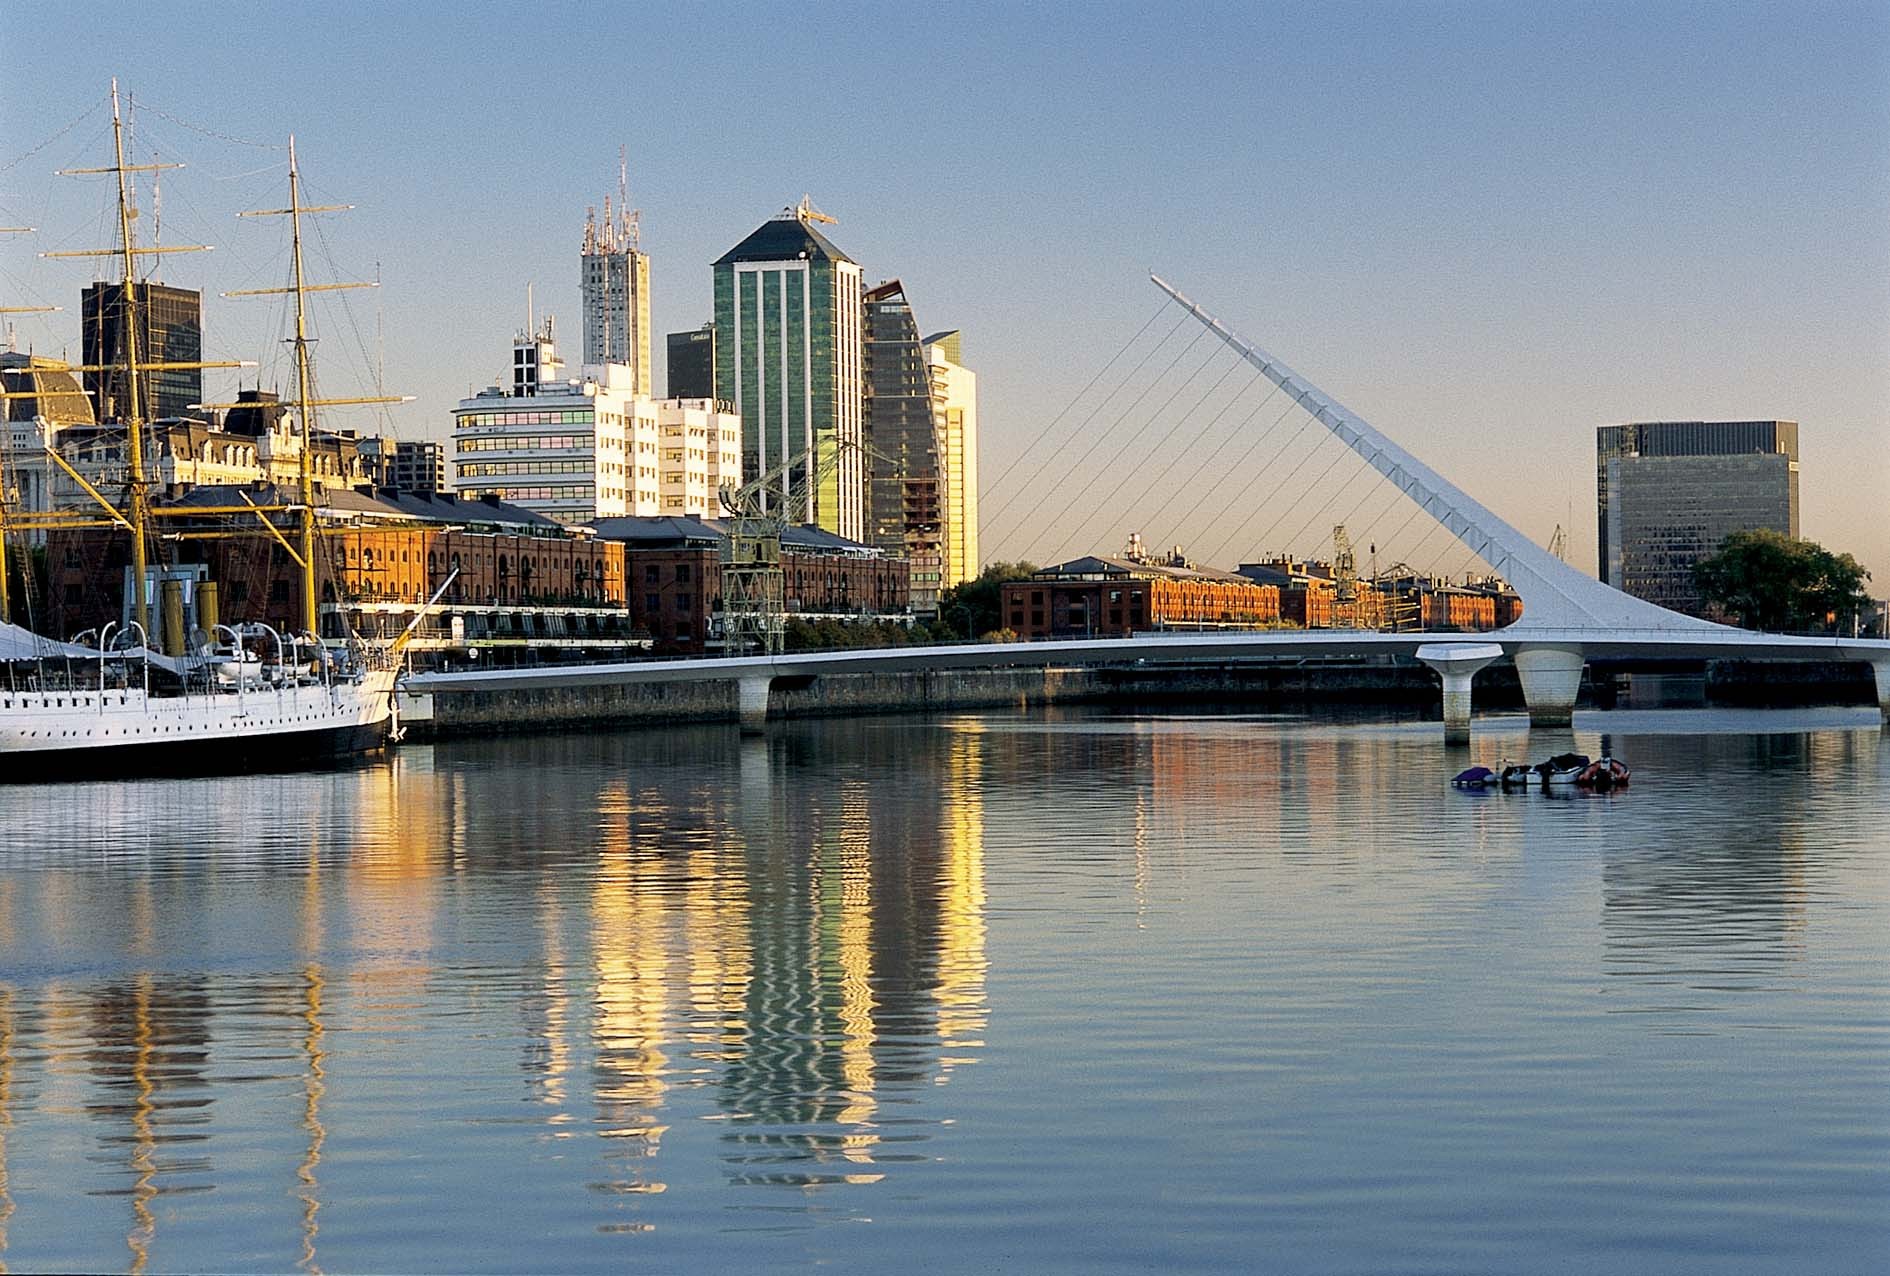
x=229 y=696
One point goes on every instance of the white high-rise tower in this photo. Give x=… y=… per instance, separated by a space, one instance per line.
x=616 y=287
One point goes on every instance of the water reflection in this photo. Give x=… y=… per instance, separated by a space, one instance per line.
x=314 y=1086
x=1699 y=910
x=791 y=956
x=147 y=1054
x=638 y=989
x=7 y=1031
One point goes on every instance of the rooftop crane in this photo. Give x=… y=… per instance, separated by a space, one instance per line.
x=806 y=211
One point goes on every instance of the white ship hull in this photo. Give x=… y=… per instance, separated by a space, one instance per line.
x=86 y=733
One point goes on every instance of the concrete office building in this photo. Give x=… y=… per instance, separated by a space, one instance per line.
x=577 y=449
x=955 y=400
x=1668 y=493
x=616 y=287
x=411 y=465
x=788 y=358
x=701 y=453
x=572 y=449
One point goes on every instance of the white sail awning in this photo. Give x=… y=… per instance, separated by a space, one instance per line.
x=23 y=644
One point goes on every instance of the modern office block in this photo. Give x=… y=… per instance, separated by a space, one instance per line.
x=955 y=400
x=692 y=363
x=170 y=330
x=788 y=357
x=1668 y=493
x=903 y=503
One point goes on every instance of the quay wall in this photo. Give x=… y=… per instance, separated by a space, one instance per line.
x=1387 y=681
x=654 y=704
x=945 y=690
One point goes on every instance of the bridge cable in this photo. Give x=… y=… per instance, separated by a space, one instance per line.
x=1379 y=480
x=1180 y=420
x=1320 y=513
x=1244 y=458
x=1277 y=488
x=1306 y=526
x=1430 y=564
x=989 y=516
x=1370 y=492
x=1114 y=425
x=1392 y=539
x=1187 y=484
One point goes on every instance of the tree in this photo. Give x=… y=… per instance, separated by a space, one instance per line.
x=974 y=607
x=1767 y=580
x=829 y=634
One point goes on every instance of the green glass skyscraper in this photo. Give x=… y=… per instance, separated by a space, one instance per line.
x=788 y=356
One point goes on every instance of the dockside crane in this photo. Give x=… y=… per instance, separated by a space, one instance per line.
x=754 y=586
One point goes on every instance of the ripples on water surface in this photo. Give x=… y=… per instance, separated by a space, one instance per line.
x=1077 y=992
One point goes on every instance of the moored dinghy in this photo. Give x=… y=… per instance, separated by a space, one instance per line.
x=1563 y=768
x=1604 y=773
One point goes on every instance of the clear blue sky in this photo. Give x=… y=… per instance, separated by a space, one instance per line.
x=1486 y=227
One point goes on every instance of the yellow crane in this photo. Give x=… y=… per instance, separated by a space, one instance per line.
x=806 y=211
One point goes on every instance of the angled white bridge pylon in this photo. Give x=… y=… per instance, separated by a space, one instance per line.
x=1555 y=596
x=1566 y=613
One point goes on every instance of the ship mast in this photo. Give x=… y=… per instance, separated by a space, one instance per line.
x=306 y=402
x=134 y=416
x=137 y=518
x=306 y=409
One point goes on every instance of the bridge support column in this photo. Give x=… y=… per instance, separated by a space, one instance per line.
x=1882 y=669
x=1457 y=664
x=752 y=702
x=1551 y=680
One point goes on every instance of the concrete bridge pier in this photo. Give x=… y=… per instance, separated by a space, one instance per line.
x=1457 y=664
x=751 y=699
x=1551 y=679
x=1882 y=669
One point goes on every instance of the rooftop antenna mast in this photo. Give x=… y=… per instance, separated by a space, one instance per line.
x=632 y=217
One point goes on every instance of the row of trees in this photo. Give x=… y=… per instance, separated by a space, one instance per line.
x=966 y=612
x=1767 y=580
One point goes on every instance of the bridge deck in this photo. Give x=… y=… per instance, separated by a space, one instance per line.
x=1164 y=648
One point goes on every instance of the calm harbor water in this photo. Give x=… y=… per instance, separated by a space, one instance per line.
x=1076 y=991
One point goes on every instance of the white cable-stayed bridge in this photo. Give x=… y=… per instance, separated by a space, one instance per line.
x=1568 y=617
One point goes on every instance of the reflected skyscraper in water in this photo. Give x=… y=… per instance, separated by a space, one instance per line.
x=630 y=1025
